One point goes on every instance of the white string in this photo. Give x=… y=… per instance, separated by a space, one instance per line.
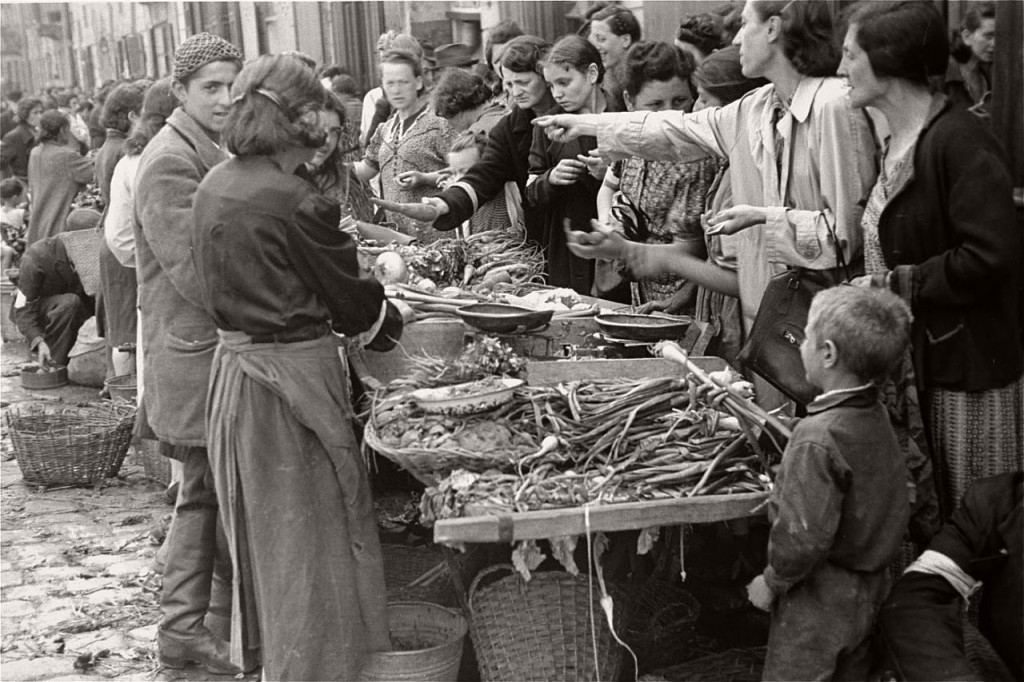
x=590 y=585
x=607 y=604
x=682 y=554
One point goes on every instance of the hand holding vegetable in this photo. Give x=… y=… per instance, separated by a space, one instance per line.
x=759 y=594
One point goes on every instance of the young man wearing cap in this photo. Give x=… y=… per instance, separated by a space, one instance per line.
x=178 y=339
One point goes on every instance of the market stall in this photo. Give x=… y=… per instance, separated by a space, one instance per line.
x=573 y=449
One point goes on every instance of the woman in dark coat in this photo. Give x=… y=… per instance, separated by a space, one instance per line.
x=940 y=230
x=562 y=183
x=278 y=278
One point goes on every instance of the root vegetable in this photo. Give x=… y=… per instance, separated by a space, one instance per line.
x=390 y=268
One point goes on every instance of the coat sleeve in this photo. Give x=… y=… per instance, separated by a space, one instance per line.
x=484 y=181
x=807 y=503
x=30 y=286
x=539 y=190
x=668 y=135
x=325 y=258
x=164 y=199
x=981 y=215
x=846 y=161
x=81 y=168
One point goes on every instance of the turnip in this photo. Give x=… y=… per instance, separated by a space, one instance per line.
x=390 y=268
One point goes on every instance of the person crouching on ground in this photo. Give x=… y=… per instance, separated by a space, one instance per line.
x=52 y=304
x=840 y=506
x=279 y=277
x=178 y=339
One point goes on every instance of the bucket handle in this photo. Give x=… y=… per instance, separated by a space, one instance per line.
x=482 y=574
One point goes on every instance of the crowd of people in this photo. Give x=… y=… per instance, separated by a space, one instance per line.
x=676 y=177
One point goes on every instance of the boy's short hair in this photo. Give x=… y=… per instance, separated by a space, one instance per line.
x=10 y=188
x=869 y=327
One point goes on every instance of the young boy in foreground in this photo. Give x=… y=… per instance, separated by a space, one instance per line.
x=839 y=509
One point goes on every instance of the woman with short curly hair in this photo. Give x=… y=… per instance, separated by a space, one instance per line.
x=278 y=277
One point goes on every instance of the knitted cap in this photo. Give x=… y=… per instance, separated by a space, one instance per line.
x=159 y=99
x=201 y=49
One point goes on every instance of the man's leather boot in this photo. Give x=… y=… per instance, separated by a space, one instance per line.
x=202 y=649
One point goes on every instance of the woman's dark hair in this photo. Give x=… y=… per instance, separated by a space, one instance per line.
x=620 y=21
x=157 y=105
x=459 y=91
x=722 y=75
x=123 y=100
x=488 y=76
x=648 y=61
x=344 y=84
x=904 y=40
x=970 y=22
x=525 y=54
x=575 y=52
x=730 y=15
x=276 y=100
x=330 y=172
x=51 y=124
x=703 y=31
x=25 y=107
x=808 y=38
x=404 y=57
x=10 y=188
x=502 y=32
x=64 y=98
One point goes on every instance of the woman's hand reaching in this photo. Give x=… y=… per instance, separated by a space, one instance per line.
x=428 y=211
x=736 y=218
x=603 y=242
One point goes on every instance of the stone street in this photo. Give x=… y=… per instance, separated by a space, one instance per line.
x=79 y=597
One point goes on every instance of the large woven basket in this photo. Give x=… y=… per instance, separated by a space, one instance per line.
x=66 y=446
x=431 y=465
x=541 y=630
x=417 y=574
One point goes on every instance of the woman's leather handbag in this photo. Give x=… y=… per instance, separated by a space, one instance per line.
x=772 y=349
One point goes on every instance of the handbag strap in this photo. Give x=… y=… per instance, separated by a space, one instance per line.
x=840 y=256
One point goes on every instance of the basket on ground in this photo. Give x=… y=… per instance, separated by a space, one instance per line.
x=122 y=387
x=542 y=630
x=427 y=641
x=661 y=623
x=61 y=445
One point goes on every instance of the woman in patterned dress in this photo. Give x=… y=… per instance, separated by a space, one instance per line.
x=939 y=231
x=414 y=138
x=669 y=194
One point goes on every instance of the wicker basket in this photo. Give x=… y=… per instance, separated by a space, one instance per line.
x=156 y=467
x=431 y=465
x=541 y=630
x=439 y=635
x=64 y=446
x=662 y=620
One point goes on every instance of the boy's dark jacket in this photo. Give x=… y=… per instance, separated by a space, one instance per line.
x=841 y=492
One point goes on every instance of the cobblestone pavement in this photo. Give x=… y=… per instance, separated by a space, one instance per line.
x=79 y=599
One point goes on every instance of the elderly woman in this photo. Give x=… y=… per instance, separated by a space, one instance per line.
x=938 y=230
x=800 y=159
x=280 y=280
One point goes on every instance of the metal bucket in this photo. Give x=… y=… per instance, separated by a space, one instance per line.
x=442 y=630
x=123 y=386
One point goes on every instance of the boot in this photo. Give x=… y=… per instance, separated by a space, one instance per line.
x=202 y=648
